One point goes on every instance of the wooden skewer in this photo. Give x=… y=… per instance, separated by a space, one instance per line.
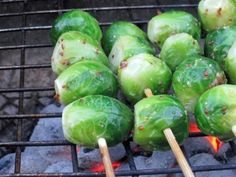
x=234 y=130
x=187 y=171
x=106 y=157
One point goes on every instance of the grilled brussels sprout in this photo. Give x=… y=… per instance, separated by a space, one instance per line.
x=153 y=115
x=86 y=120
x=219 y=42
x=126 y=47
x=143 y=71
x=166 y=24
x=215 y=111
x=85 y=78
x=74 y=46
x=193 y=77
x=217 y=14
x=177 y=48
x=230 y=64
x=117 y=29
x=76 y=20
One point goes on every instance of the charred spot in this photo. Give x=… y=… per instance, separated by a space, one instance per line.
x=206 y=74
x=64 y=86
x=194 y=42
x=206 y=111
x=189 y=65
x=84 y=41
x=159 y=12
x=112 y=56
x=62 y=46
x=230 y=20
x=220 y=79
x=98 y=73
x=65 y=62
x=61 y=54
x=141 y=128
x=224 y=110
x=123 y=64
x=57 y=97
x=97 y=51
x=206 y=11
x=219 y=11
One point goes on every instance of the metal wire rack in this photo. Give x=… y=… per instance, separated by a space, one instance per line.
x=22 y=89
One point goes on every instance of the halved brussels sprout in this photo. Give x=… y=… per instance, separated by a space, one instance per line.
x=153 y=115
x=126 y=47
x=143 y=71
x=217 y=14
x=74 y=46
x=117 y=29
x=177 y=48
x=166 y=24
x=215 y=112
x=85 y=78
x=76 y=20
x=86 y=120
x=193 y=77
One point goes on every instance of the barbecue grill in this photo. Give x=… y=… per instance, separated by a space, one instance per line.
x=21 y=90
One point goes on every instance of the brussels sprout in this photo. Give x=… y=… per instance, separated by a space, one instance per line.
x=230 y=64
x=193 y=77
x=126 y=47
x=86 y=120
x=215 y=111
x=219 y=42
x=177 y=48
x=85 y=78
x=143 y=71
x=166 y=24
x=76 y=20
x=74 y=46
x=217 y=14
x=117 y=29
x=153 y=115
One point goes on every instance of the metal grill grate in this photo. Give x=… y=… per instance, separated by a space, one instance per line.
x=19 y=144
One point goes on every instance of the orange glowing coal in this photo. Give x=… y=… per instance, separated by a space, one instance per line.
x=100 y=167
x=215 y=143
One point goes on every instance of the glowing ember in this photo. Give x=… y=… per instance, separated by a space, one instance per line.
x=215 y=143
x=100 y=167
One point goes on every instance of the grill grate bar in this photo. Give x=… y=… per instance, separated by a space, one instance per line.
x=25 y=46
x=102 y=9
x=25 y=67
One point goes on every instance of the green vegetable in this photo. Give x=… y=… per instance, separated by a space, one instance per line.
x=217 y=14
x=74 y=46
x=219 y=42
x=215 y=112
x=230 y=64
x=117 y=29
x=143 y=71
x=76 y=20
x=166 y=24
x=177 y=48
x=126 y=47
x=193 y=77
x=85 y=78
x=153 y=115
x=92 y=117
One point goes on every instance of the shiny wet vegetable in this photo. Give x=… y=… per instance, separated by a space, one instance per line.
x=153 y=115
x=95 y=116
x=215 y=112
x=193 y=77
x=169 y=23
x=85 y=78
x=75 y=46
x=143 y=71
x=217 y=14
x=118 y=29
x=76 y=20
x=230 y=64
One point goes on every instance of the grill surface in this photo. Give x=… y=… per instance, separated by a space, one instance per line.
x=21 y=90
